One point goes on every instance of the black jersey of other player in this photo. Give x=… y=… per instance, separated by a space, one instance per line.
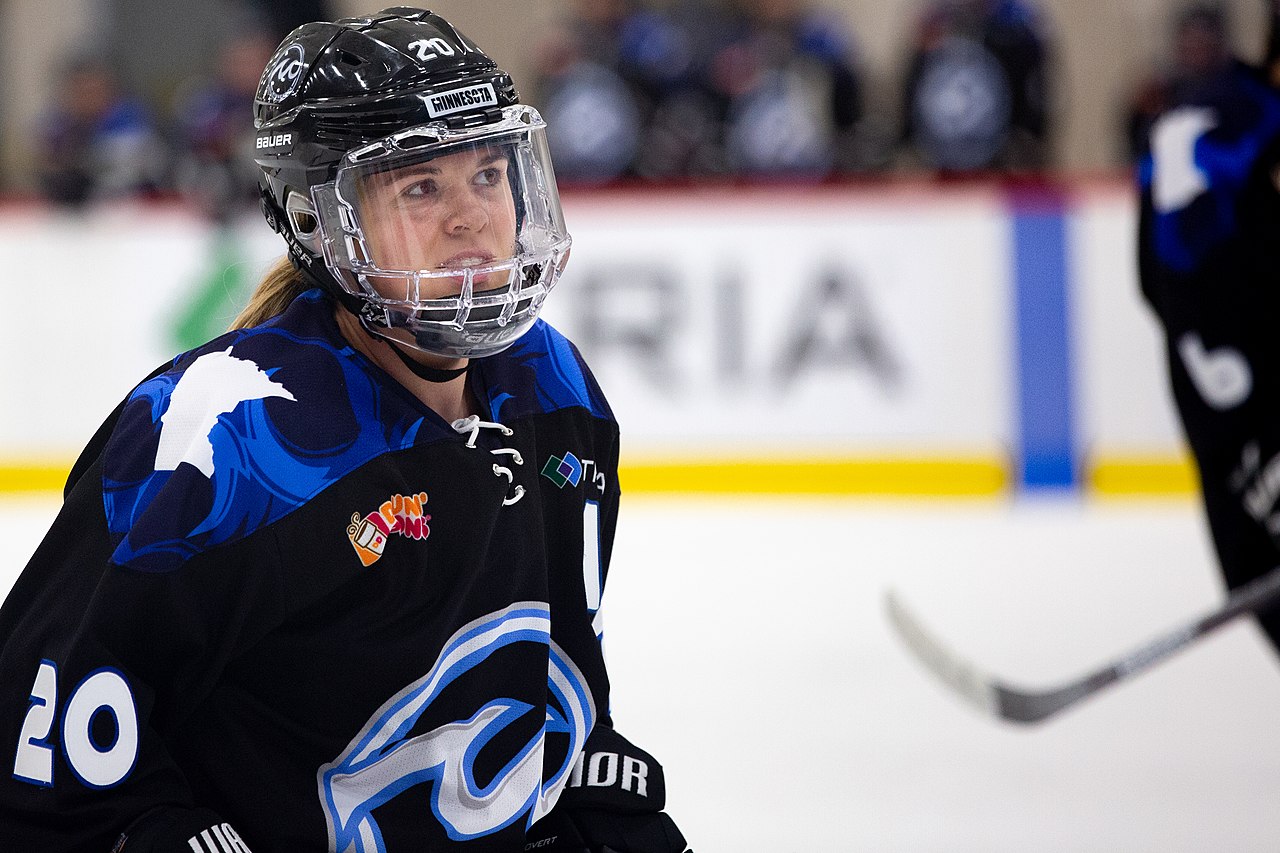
x=1209 y=258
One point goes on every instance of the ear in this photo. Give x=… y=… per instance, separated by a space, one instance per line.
x=303 y=221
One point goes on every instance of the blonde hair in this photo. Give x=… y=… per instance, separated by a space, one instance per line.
x=281 y=284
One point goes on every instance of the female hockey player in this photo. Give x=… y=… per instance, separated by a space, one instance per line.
x=333 y=581
x=1208 y=256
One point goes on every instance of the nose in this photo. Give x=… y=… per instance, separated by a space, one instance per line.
x=465 y=212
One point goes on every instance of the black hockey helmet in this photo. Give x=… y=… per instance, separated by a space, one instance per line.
x=341 y=104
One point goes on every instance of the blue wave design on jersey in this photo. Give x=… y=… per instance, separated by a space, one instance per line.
x=543 y=372
x=261 y=470
x=327 y=413
x=1246 y=121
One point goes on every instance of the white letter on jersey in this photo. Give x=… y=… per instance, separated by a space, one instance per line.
x=1176 y=179
x=33 y=761
x=1221 y=376
x=98 y=766
x=213 y=385
x=591 y=579
x=107 y=765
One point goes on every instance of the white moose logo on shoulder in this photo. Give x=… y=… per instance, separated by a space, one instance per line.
x=214 y=384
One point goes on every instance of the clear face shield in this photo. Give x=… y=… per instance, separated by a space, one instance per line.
x=452 y=239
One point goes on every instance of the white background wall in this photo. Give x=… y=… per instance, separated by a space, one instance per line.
x=834 y=321
x=1125 y=404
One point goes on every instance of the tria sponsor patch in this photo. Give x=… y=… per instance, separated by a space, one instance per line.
x=457 y=100
x=561 y=471
x=401 y=515
x=569 y=470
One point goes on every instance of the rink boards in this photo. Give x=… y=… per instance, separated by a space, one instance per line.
x=895 y=338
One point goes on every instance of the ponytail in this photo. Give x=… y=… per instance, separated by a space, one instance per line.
x=280 y=286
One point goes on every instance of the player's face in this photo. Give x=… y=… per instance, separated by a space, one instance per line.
x=453 y=211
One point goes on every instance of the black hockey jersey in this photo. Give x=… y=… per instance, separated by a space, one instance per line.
x=282 y=589
x=1209 y=258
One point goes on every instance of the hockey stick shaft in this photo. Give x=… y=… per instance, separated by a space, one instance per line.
x=996 y=697
x=1256 y=596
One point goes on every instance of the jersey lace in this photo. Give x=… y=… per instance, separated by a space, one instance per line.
x=471 y=426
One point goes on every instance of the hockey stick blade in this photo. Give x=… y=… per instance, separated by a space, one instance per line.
x=1005 y=701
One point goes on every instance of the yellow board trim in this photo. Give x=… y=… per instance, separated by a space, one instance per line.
x=1108 y=477
x=1137 y=475
x=28 y=477
x=748 y=475
x=818 y=476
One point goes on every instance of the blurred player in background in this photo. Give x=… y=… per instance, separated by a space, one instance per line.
x=793 y=92
x=1209 y=255
x=333 y=581
x=639 y=73
x=96 y=142
x=979 y=89
x=215 y=128
x=1200 y=56
x=697 y=89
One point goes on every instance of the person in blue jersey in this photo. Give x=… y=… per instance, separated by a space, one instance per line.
x=1208 y=255
x=979 y=87
x=333 y=580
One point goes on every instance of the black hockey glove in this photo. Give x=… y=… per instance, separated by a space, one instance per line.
x=594 y=831
x=612 y=804
x=174 y=830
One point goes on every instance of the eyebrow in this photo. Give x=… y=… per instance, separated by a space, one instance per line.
x=428 y=169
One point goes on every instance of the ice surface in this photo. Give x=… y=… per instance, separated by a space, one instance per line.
x=750 y=652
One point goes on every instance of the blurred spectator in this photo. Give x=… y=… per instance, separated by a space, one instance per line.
x=1201 y=58
x=95 y=142
x=580 y=87
x=670 y=56
x=214 y=129
x=622 y=87
x=977 y=92
x=694 y=89
x=792 y=89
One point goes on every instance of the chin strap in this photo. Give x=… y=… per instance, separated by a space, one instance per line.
x=359 y=307
x=422 y=371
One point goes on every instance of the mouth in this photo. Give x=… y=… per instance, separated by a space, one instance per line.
x=462 y=260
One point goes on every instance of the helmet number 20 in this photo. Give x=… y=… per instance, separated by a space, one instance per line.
x=429 y=49
x=97 y=765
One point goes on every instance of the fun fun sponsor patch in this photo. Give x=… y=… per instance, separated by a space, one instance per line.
x=400 y=515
